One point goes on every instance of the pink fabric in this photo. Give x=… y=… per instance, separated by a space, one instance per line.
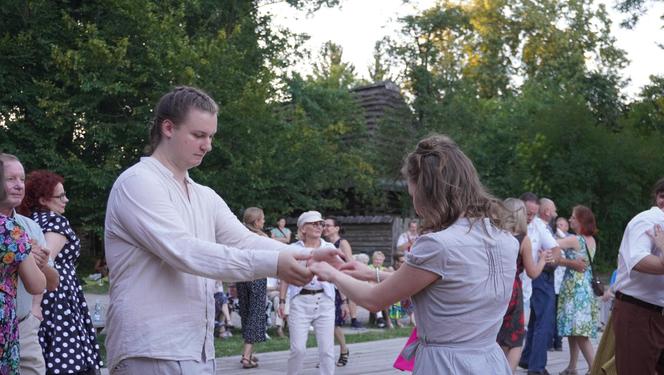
x=402 y=363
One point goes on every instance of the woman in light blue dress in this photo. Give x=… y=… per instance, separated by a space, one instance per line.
x=578 y=312
x=459 y=272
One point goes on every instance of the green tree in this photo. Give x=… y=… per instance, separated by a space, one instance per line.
x=380 y=68
x=80 y=80
x=331 y=70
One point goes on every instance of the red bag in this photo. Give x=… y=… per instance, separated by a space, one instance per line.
x=402 y=363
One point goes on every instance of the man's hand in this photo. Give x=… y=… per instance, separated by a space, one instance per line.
x=358 y=270
x=546 y=256
x=40 y=254
x=324 y=271
x=334 y=257
x=290 y=270
x=577 y=265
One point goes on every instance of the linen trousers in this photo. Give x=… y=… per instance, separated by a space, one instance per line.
x=639 y=334
x=153 y=366
x=316 y=310
x=32 y=358
x=540 y=326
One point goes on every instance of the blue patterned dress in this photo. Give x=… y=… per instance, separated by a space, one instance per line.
x=578 y=313
x=14 y=248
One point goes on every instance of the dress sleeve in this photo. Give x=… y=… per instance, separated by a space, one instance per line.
x=57 y=224
x=15 y=242
x=428 y=254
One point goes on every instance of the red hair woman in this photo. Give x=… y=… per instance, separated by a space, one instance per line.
x=578 y=312
x=66 y=334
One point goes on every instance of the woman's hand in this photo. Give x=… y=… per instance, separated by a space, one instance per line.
x=334 y=257
x=546 y=256
x=358 y=270
x=281 y=311
x=323 y=270
x=657 y=236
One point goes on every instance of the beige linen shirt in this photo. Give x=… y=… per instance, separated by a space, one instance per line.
x=164 y=250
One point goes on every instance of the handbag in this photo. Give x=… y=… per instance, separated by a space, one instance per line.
x=402 y=363
x=595 y=283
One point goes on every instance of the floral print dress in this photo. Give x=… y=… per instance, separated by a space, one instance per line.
x=14 y=248
x=578 y=312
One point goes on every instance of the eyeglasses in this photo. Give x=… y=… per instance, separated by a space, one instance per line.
x=319 y=224
x=328 y=225
x=62 y=196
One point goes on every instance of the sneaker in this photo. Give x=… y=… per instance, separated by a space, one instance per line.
x=226 y=334
x=380 y=323
x=355 y=324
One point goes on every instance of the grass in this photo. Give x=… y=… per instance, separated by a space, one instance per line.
x=233 y=345
x=94 y=287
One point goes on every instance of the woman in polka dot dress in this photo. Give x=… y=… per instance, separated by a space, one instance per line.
x=66 y=334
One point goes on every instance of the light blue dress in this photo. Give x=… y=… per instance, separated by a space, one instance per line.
x=578 y=313
x=459 y=315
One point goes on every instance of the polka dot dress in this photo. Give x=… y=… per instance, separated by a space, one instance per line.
x=66 y=334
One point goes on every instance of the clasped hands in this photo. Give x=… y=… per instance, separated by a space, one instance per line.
x=40 y=254
x=323 y=263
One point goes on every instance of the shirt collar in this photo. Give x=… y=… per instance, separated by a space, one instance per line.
x=162 y=169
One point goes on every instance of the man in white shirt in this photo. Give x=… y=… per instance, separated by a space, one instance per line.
x=542 y=300
x=547 y=213
x=407 y=238
x=638 y=312
x=168 y=238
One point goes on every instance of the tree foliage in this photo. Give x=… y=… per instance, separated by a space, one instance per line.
x=532 y=92
x=80 y=80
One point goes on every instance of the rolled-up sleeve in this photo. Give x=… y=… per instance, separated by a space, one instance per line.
x=639 y=244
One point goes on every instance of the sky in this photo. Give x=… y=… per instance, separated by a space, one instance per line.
x=358 y=24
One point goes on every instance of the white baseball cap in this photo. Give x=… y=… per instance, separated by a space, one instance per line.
x=309 y=217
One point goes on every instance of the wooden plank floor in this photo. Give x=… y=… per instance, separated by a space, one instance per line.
x=364 y=359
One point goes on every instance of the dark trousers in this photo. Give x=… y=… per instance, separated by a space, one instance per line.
x=557 y=341
x=639 y=339
x=540 y=326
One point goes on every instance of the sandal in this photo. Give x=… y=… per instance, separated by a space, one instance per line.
x=248 y=363
x=343 y=359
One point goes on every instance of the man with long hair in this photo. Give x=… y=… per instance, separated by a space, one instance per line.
x=168 y=238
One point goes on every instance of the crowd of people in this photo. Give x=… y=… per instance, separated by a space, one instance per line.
x=482 y=277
